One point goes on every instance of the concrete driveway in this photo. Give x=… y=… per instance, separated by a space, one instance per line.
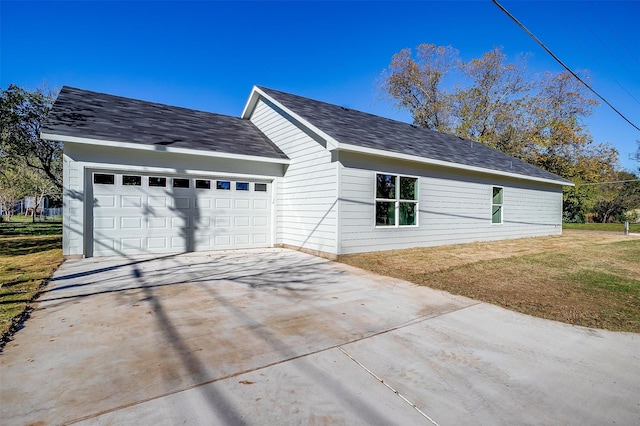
x=281 y=337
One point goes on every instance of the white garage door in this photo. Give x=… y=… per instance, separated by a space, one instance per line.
x=138 y=214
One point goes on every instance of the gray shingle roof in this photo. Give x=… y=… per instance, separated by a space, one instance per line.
x=87 y=114
x=366 y=130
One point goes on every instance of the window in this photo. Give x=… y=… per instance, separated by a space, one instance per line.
x=496 y=205
x=132 y=180
x=396 y=200
x=203 y=184
x=180 y=183
x=103 y=179
x=157 y=181
x=223 y=184
x=242 y=186
x=260 y=187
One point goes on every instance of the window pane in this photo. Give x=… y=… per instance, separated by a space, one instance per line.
x=408 y=188
x=203 y=184
x=496 y=214
x=132 y=180
x=158 y=181
x=260 y=187
x=242 y=186
x=223 y=184
x=497 y=195
x=386 y=186
x=407 y=214
x=181 y=183
x=103 y=179
x=385 y=213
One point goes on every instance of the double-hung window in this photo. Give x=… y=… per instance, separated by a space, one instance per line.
x=496 y=205
x=396 y=200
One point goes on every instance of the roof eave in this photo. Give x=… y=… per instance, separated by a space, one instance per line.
x=425 y=160
x=162 y=148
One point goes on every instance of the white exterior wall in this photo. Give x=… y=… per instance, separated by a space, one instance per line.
x=454 y=207
x=307 y=211
x=82 y=159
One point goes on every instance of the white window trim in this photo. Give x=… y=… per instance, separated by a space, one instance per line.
x=501 y=206
x=396 y=201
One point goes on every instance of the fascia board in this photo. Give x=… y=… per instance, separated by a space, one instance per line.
x=161 y=148
x=424 y=160
x=253 y=100
x=187 y=172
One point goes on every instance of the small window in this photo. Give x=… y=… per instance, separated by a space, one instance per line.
x=131 y=180
x=103 y=179
x=157 y=181
x=180 y=183
x=242 y=186
x=223 y=184
x=260 y=187
x=396 y=200
x=203 y=184
x=496 y=205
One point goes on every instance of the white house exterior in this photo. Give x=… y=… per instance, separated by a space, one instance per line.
x=147 y=178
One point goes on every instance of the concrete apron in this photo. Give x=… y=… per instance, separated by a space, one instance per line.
x=282 y=337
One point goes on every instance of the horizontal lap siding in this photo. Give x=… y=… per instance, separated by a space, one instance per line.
x=452 y=209
x=72 y=208
x=306 y=206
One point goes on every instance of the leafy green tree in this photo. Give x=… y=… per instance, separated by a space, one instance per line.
x=538 y=120
x=618 y=201
x=22 y=114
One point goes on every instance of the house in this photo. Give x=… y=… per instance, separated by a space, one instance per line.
x=142 y=177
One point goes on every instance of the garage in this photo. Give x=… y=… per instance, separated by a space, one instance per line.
x=134 y=213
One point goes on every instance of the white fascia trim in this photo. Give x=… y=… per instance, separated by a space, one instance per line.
x=161 y=148
x=117 y=168
x=424 y=160
x=253 y=100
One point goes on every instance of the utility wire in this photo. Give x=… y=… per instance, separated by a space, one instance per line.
x=513 y=18
x=605 y=183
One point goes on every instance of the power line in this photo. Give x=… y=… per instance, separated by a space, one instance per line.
x=605 y=183
x=513 y=18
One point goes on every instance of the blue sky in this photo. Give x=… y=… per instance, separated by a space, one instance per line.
x=207 y=55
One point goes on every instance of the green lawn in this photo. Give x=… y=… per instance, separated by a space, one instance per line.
x=29 y=254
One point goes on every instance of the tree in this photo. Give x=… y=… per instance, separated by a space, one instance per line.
x=22 y=114
x=538 y=120
x=618 y=200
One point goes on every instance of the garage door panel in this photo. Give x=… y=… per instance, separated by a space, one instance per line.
x=129 y=244
x=104 y=201
x=223 y=203
x=156 y=201
x=181 y=203
x=157 y=222
x=104 y=223
x=131 y=222
x=130 y=201
x=241 y=221
x=260 y=221
x=180 y=222
x=141 y=219
x=156 y=243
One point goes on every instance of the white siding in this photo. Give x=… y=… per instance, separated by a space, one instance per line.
x=454 y=207
x=81 y=159
x=72 y=208
x=307 y=195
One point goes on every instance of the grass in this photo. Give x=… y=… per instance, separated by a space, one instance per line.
x=610 y=227
x=580 y=278
x=29 y=253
